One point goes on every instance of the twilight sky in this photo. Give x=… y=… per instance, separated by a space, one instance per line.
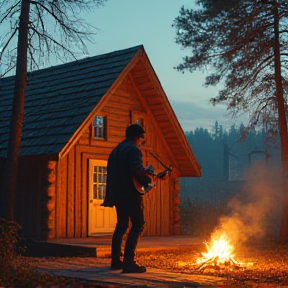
x=127 y=23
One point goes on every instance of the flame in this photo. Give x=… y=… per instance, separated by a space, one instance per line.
x=220 y=251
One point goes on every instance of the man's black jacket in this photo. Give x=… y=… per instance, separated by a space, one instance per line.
x=124 y=163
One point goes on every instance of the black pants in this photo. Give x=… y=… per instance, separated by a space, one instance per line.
x=128 y=209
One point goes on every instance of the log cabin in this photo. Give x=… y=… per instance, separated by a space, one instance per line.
x=75 y=114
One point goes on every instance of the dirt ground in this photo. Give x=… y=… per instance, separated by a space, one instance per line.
x=256 y=263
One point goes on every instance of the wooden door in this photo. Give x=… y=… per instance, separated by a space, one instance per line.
x=101 y=219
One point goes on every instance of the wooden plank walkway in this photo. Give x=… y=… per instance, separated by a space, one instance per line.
x=97 y=272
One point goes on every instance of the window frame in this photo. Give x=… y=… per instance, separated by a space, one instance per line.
x=93 y=138
x=94 y=127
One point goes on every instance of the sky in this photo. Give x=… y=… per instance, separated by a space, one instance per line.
x=125 y=23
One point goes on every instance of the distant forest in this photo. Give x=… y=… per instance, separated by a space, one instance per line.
x=224 y=156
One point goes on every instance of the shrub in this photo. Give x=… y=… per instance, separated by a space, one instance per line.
x=15 y=270
x=9 y=240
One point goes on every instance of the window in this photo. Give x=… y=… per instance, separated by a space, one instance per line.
x=98 y=127
x=99 y=182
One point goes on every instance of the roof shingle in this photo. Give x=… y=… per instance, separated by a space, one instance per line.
x=58 y=99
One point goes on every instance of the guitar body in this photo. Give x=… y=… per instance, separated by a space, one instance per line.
x=150 y=172
x=141 y=189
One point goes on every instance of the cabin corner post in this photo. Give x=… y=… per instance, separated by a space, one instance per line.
x=48 y=189
x=176 y=223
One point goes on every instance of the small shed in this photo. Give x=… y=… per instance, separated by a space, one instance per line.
x=75 y=114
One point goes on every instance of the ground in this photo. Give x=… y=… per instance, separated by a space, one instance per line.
x=256 y=263
x=261 y=263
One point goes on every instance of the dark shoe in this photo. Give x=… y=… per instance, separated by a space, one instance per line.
x=116 y=264
x=134 y=268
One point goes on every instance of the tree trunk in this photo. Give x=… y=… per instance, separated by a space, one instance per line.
x=282 y=128
x=10 y=180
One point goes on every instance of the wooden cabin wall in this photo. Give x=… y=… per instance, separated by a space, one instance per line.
x=125 y=102
x=67 y=214
x=156 y=202
x=2 y=196
x=29 y=197
x=71 y=218
x=36 y=198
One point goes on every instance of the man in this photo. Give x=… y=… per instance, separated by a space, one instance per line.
x=124 y=165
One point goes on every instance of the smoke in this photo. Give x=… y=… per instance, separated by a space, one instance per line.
x=255 y=213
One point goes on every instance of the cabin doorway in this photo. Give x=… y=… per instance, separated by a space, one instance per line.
x=101 y=220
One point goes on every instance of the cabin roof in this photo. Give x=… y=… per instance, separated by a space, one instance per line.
x=54 y=106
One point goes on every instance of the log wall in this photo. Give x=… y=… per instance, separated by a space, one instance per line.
x=36 y=196
x=52 y=199
x=71 y=206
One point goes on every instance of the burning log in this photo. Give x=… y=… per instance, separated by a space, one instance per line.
x=214 y=262
x=219 y=255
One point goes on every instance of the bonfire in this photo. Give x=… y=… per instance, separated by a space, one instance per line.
x=220 y=253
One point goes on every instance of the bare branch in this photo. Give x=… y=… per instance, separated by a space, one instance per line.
x=59 y=20
x=8 y=70
x=10 y=9
x=8 y=42
x=55 y=42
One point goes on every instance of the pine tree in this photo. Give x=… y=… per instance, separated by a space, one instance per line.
x=245 y=44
